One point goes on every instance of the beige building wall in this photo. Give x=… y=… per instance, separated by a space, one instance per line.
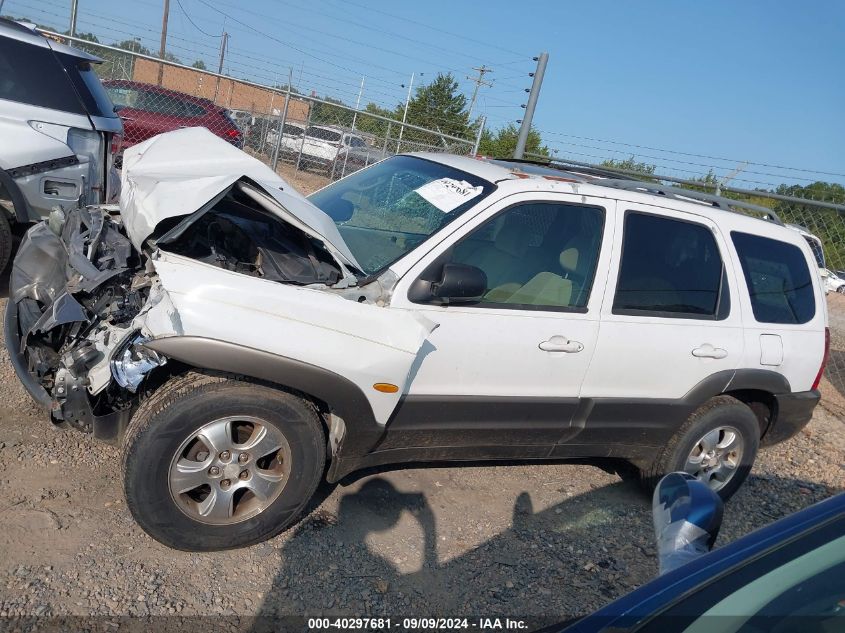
x=230 y=93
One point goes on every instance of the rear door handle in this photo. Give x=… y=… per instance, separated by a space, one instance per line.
x=561 y=344
x=708 y=351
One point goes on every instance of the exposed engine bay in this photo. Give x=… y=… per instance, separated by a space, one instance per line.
x=80 y=293
x=236 y=236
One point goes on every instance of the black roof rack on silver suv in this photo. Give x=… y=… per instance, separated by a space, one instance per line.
x=610 y=178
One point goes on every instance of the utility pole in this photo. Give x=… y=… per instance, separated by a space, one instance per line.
x=74 y=8
x=223 y=45
x=354 y=120
x=478 y=81
x=282 y=120
x=542 y=60
x=479 y=135
x=163 y=49
x=724 y=181
x=405 y=115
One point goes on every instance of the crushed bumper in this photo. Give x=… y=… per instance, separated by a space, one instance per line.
x=75 y=287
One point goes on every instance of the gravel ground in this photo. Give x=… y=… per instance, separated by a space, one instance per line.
x=546 y=540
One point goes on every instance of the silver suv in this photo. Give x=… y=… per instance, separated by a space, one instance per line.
x=58 y=126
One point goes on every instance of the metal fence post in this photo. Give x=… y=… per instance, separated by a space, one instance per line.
x=478 y=136
x=282 y=124
x=386 y=138
x=354 y=120
x=304 y=134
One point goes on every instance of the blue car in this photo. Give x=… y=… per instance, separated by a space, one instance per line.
x=788 y=576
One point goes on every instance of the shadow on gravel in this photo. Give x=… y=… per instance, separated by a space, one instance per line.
x=835 y=370
x=568 y=559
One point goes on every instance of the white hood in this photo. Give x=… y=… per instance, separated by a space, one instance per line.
x=176 y=173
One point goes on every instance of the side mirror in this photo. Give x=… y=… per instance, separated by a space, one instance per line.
x=687 y=516
x=459 y=283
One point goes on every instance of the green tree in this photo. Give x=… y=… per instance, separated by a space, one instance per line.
x=630 y=164
x=437 y=106
x=199 y=65
x=377 y=127
x=324 y=114
x=502 y=142
x=827 y=224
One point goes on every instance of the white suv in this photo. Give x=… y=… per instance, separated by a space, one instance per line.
x=244 y=342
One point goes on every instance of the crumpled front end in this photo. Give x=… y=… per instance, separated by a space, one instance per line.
x=77 y=285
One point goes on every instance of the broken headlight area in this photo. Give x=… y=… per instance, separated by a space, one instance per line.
x=131 y=364
x=76 y=286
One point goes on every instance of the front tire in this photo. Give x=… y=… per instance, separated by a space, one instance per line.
x=717 y=444
x=216 y=462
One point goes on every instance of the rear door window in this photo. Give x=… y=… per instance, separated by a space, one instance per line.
x=33 y=75
x=779 y=281
x=670 y=268
x=159 y=103
x=87 y=84
x=192 y=109
x=323 y=134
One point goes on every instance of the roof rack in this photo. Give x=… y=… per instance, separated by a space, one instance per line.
x=610 y=178
x=690 y=195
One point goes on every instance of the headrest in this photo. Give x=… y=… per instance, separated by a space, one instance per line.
x=569 y=259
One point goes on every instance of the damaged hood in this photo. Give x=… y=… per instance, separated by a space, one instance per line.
x=177 y=173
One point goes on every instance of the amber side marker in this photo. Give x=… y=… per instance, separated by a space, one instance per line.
x=385 y=387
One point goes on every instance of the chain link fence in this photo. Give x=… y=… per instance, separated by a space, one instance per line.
x=309 y=141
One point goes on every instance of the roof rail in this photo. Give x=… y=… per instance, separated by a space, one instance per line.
x=610 y=178
x=687 y=195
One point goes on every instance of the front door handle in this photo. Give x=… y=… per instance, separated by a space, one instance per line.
x=561 y=344
x=708 y=351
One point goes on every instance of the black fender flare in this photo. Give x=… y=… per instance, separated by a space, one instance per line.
x=22 y=211
x=340 y=394
x=734 y=380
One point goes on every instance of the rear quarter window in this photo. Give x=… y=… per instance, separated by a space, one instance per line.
x=779 y=281
x=33 y=75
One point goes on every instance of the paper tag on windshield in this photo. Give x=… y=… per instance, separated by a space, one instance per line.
x=448 y=194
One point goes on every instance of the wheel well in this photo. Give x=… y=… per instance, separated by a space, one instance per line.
x=761 y=403
x=161 y=375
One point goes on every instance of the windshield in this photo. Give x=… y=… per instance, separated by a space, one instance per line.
x=389 y=209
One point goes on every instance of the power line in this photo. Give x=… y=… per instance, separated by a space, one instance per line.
x=675 y=160
x=680 y=153
x=462 y=36
x=185 y=13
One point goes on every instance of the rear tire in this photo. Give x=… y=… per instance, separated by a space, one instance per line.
x=178 y=437
x=722 y=427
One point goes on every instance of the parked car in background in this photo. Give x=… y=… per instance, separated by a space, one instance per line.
x=147 y=110
x=242 y=118
x=831 y=284
x=58 y=129
x=318 y=146
x=235 y=336
x=356 y=156
x=832 y=281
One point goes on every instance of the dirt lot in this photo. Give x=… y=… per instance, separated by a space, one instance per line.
x=553 y=540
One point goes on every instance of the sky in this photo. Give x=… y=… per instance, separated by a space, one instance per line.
x=687 y=86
